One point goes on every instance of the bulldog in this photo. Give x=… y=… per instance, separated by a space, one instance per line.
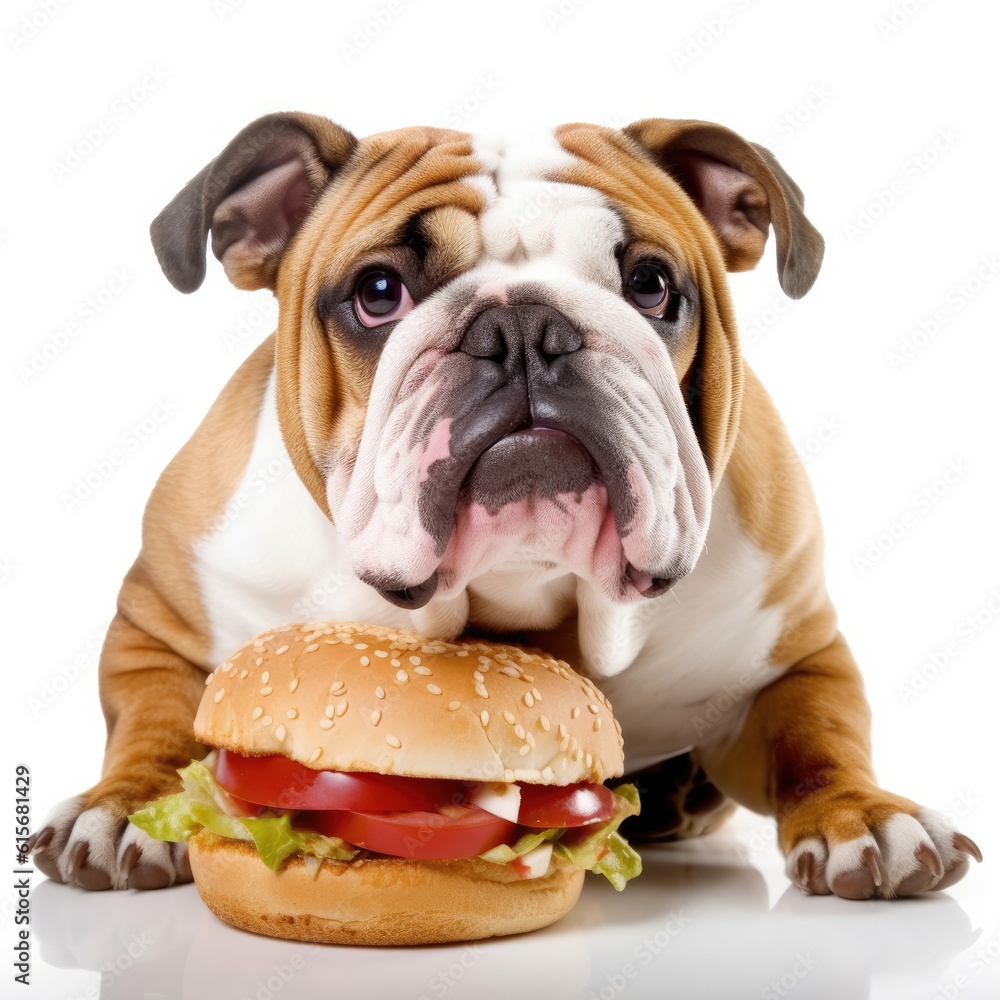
x=507 y=387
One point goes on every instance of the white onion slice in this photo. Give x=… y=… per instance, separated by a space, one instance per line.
x=503 y=799
x=535 y=863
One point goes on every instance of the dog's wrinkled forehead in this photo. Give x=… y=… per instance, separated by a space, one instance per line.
x=530 y=214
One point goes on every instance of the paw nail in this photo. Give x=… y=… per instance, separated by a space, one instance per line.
x=129 y=859
x=873 y=862
x=39 y=841
x=967 y=846
x=804 y=872
x=928 y=857
x=78 y=860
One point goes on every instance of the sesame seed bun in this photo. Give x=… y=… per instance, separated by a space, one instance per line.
x=377 y=901
x=349 y=697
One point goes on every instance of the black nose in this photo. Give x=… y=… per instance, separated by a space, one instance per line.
x=522 y=334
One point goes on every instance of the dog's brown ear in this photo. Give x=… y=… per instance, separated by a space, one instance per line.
x=741 y=189
x=252 y=196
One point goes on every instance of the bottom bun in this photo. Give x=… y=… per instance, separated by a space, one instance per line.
x=377 y=901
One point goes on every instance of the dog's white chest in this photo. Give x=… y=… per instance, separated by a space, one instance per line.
x=702 y=649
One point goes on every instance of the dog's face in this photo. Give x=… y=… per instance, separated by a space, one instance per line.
x=500 y=357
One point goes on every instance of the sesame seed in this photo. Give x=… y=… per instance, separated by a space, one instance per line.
x=590 y=760
x=258 y=712
x=528 y=700
x=575 y=714
x=312 y=646
x=361 y=645
x=578 y=755
x=597 y=724
x=376 y=717
x=564 y=744
x=341 y=708
x=594 y=708
x=292 y=713
x=393 y=741
x=208 y=679
x=265 y=677
x=266 y=690
x=423 y=671
x=510 y=671
x=381 y=652
x=481 y=691
x=485 y=661
x=573 y=744
x=484 y=718
x=294 y=684
x=280 y=732
x=415 y=660
x=266 y=721
x=329 y=711
x=281 y=649
x=402 y=676
x=508 y=775
x=365 y=661
x=337 y=687
x=525 y=750
x=316 y=754
x=547 y=773
x=380 y=692
x=326 y=723
x=563 y=732
x=508 y=717
x=243 y=674
x=454 y=706
x=394 y=662
x=462 y=652
x=535 y=694
x=519 y=730
x=543 y=722
x=528 y=678
x=260 y=660
x=433 y=688
x=478 y=675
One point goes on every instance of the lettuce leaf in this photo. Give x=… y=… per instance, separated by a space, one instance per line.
x=200 y=805
x=603 y=849
x=203 y=804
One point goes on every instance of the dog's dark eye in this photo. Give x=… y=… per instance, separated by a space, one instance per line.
x=648 y=290
x=381 y=297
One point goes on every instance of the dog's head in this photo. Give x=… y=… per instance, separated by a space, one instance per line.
x=495 y=357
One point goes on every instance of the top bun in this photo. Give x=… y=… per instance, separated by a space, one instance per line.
x=347 y=697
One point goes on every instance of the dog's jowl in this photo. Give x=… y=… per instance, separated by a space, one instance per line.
x=506 y=395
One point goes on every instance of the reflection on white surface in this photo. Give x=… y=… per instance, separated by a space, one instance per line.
x=698 y=923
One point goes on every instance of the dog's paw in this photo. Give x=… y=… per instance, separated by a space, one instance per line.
x=861 y=845
x=97 y=848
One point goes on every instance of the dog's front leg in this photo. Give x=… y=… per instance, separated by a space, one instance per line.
x=149 y=694
x=804 y=757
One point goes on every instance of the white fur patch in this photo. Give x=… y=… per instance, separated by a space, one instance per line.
x=817 y=848
x=277 y=558
x=701 y=651
x=99 y=828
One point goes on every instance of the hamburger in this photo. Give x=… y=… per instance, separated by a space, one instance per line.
x=366 y=785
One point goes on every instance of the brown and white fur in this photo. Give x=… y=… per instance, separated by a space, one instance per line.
x=684 y=575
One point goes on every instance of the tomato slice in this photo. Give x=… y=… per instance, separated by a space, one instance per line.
x=549 y=806
x=284 y=784
x=453 y=832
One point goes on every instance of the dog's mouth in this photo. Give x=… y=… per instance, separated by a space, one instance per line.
x=536 y=496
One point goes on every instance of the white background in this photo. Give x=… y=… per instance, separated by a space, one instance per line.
x=885 y=81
